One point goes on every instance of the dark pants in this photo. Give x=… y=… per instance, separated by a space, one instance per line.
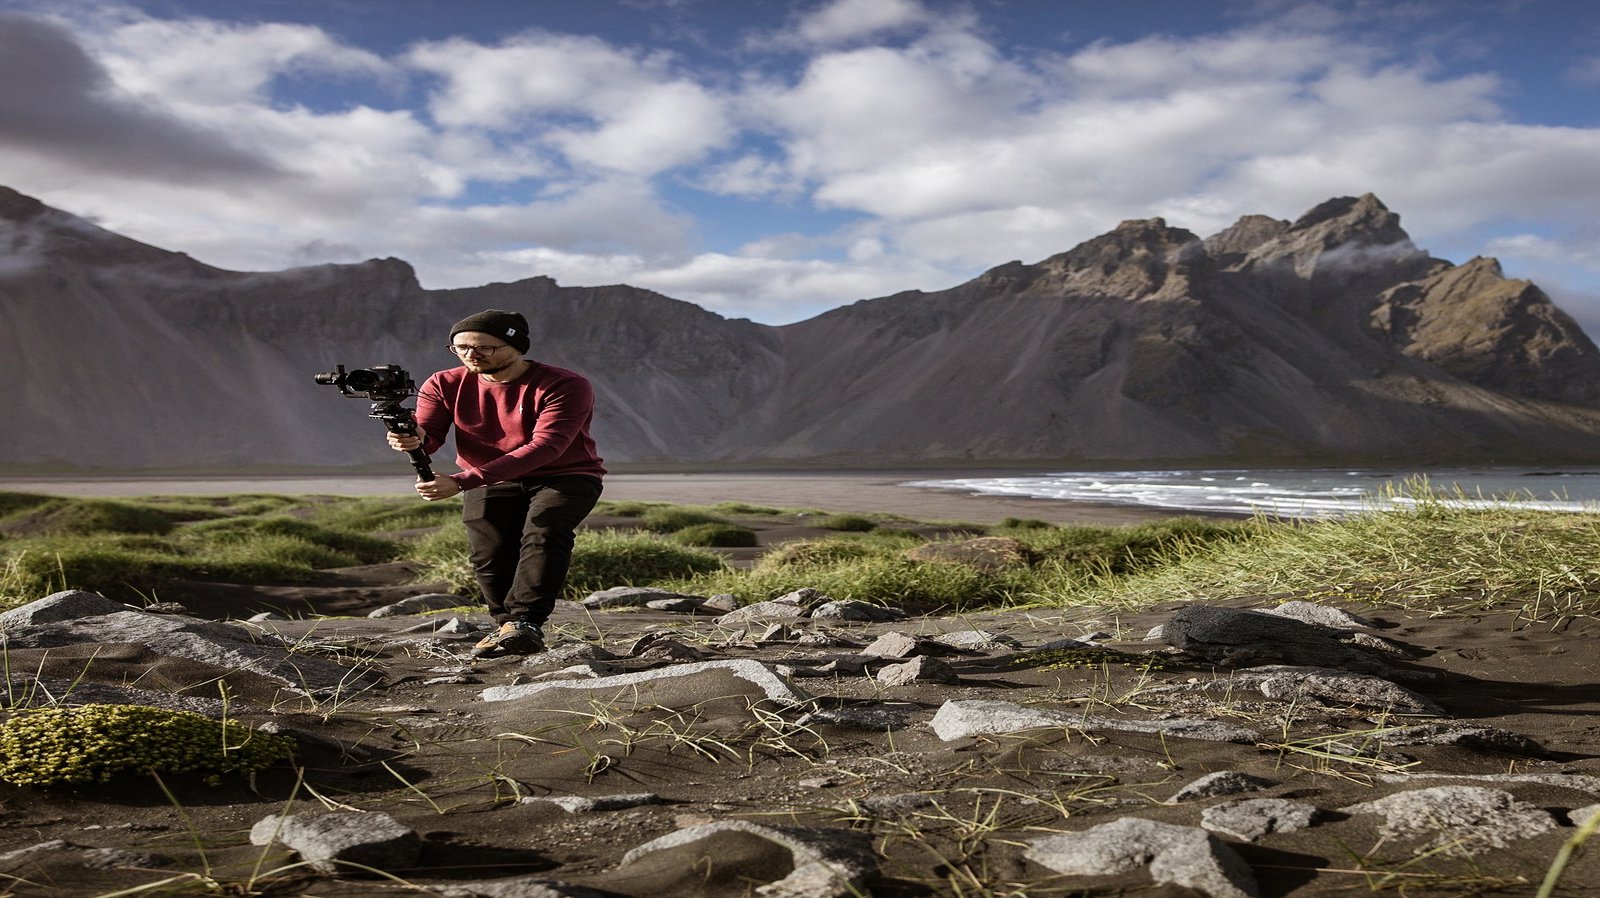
x=521 y=537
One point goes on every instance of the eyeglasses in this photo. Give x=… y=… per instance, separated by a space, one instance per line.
x=483 y=351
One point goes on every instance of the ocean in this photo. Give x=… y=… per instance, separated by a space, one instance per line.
x=1299 y=493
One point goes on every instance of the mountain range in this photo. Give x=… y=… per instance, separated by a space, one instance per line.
x=1331 y=339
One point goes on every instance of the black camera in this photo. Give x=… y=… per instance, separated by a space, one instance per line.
x=387 y=386
x=380 y=382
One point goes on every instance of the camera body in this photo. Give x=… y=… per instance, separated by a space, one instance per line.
x=382 y=383
x=387 y=386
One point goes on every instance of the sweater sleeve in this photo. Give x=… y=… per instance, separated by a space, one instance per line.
x=563 y=413
x=433 y=415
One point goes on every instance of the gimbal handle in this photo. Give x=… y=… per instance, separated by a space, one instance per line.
x=403 y=422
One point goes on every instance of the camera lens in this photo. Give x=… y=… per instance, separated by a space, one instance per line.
x=365 y=379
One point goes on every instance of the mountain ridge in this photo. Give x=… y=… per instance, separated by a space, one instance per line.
x=1327 y=339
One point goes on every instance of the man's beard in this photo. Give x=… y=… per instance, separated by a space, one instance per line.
x=484 y=369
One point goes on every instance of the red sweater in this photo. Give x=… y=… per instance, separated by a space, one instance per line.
x=534 y=426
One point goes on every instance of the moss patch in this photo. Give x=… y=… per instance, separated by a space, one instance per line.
x=96 y=743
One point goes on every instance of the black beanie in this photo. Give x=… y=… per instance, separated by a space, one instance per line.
x=508 y=326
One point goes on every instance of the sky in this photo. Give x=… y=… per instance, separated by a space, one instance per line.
x=773 y=160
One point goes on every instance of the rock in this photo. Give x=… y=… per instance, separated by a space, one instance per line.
x=419 y=604
x=454 y=627
x=680 y=605
x=1335 y=688
x=778 y=633
x=572 y=652
x=918 y=670
x=1459 y=819
x=1222 y=782
x=1250 y=819
x=960 y=718
x=84 y=855
x=335 y=842
x=881 y=716
x=1319 y=615
x=72 y=604
x=578 y=804
x=512 y=888
x=634 y=597
x=1234 y=638
x=784 y=609
x=678 y=686
x=901 y=645
x=44 y=692
x=802 y=862
x=853 y=610
x=977 y=641
x=222 y=646
x=1177 y=855
x=893 y=645
x=1474 y=736
x=673 y=650
x=1582 y=782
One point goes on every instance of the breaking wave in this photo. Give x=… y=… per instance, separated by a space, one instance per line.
x=1299 y=493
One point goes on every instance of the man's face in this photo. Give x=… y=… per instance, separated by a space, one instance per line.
x=482 y=353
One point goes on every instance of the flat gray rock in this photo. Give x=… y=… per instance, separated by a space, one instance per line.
x=331 y=842
x=578 y=804
x=1249 y=819
x=960 y=718
x=852 y=610
x=677 y=686
x=634 y=597
x=1222 y=782
x=421 y=604
x=225 y=646
x=72 y=604
x=1459 y=819
x=918 y=670
x=1176 y=855
x=815 y=863
x=1319 y=615
x=1327 y=686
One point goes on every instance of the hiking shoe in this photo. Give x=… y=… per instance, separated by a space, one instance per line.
x=515 y=637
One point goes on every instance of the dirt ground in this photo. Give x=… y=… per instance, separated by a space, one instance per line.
x=943 y=818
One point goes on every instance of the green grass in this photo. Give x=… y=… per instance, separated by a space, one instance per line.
x=1438 y=557
x=129 y=549
x=849 y=523
x=600 y=560
x=716 y=535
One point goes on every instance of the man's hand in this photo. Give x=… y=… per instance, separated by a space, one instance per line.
x=440 y=487
x=404 y=442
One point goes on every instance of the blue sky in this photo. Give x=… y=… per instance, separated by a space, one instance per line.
x=774 y=160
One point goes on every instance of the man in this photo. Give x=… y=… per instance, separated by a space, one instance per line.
x=529 y=471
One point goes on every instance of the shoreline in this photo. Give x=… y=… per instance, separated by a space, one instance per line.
x=880 y=492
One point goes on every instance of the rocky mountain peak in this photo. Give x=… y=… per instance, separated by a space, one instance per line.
x=1344 y=246
x=1230 y=246
x=1135 y=261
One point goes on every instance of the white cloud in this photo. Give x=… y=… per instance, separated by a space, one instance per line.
x=547 y=153
x=599 y=106
x=199 y=62
x=845 y=21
